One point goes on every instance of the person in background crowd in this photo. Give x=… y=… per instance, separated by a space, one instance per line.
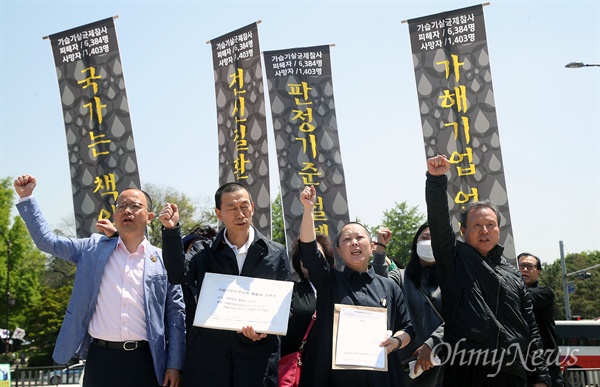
x=357 y=284
x=486 y=305
x=106 y=227
x=544 y=311
x=424 y=299
x=191 y=290
x=217 y=357
x=123 y=315
x=304 y=296
x=384 y=236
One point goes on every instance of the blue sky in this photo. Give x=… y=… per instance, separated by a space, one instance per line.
x=548 y=116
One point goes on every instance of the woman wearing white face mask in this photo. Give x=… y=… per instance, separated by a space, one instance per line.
x=422 y=292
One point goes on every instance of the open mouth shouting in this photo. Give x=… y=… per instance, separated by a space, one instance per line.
x=356 y=253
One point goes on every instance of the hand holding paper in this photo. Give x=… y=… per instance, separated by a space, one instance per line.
x=415 y=373
x=358 y=335
x=251 y=334
x=424 y=358
x=244 y=304
x=389 y=343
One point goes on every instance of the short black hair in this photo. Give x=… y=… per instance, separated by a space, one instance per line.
x=148 y=199
x=205 y=230
x=226 y=188
x=464 y=212
x=537 y=259
x=339 y=234
x=200 y=232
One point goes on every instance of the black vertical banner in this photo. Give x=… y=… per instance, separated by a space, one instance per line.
x=99 y=136
x=242 y=125
x=306 y=137
x=458 y=112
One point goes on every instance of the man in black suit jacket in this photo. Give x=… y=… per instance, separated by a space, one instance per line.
x=217 y=357
x=543 y=309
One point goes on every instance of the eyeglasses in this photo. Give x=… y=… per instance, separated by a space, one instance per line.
x=133 y=206
x=528 y=266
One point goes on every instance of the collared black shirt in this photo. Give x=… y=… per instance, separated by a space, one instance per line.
x=351 y=288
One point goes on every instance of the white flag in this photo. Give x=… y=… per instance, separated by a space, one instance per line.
x=18 y=334
x=4 y=333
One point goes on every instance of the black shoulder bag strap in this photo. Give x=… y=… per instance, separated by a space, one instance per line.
x=431 y=304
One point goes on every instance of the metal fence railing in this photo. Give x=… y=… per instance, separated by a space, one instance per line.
x=46 y=376
x=582 y=377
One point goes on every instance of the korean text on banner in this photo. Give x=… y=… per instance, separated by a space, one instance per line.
x=458 y=112
x=242 y=125
x=306 y=138
x=231 y=302
x=100 y=142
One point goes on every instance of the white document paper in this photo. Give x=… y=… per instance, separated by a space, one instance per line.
x=230 y=302
x=411 y=365
x=358 y=337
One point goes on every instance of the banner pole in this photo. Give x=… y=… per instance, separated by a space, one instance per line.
x=483 y=5
x=257 y=22
x=47 y=37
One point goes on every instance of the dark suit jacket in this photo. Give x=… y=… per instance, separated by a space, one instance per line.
x=218 y=357
x=543 y=309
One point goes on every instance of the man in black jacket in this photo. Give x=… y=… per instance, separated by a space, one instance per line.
x=543 y=309
x=490 y=333
x=214 y=357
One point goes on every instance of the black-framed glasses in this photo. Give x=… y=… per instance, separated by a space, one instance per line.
x=528 y=266
x=133 y=206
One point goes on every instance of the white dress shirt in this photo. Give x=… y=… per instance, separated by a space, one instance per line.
x=120 y=314
x=240 y=254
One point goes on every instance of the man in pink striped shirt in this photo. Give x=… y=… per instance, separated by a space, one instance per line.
x=123 y=315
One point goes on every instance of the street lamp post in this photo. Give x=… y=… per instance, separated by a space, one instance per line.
x=581 y=274
x=564 y=281
x=576 y=65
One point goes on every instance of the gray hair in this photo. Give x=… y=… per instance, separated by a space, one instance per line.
x=464 y=212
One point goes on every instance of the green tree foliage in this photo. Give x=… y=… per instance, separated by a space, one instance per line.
x=584 y=301
x=403 y=221
x=19 y=260
x=58 y=271
x=44 y=318
x=191 y=214
x=277 y=223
